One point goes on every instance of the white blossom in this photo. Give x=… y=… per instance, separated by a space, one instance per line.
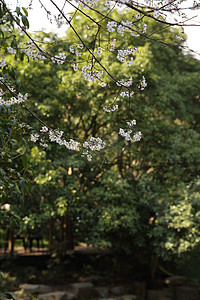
x=59 y=59
x=127 y=135
x=11 y=50
x=156 y=13
x=109 y=109
x=91 y=75
x=111 y=25
x=112 y=47
x=44 y=144
x=179 y=38
x=94 y=144
x=14 y=100
x=71 y=49
x=131 y=123
x=142 y=84
x=125 y=83
x=75 y=67
x=127 y=94
x=34 y=137
x=44 y=129
x=2 y=63
x=144 y=28
x=98 y=51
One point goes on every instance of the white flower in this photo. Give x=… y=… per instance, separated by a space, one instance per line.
x=127 y=134
x=75 y=67
x=106 y=109
x=2 y=63
x=71 y=49
x=34 y=137
x=110 y=26
x=131 y=123
x=112 y=47
x=43 y=144
x=89 y=157
x=156 y=13
x=108 y=3
x=143 y=83
x=98 y=51
x=11 y=50
x=144 y=28
x=94 y=144
x=179 y=38
x=44 y=129
x=125 y=83
x=137 y=16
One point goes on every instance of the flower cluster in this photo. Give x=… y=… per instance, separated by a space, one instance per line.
x=156 y=13
x=98 y=52
x=89 y=3
x=87 y=154
x=127 y=94
x=121 y=28
x=142 y=84
x=42 y=143
x=55 y=136
x=127 y=135
x=89 y=74
x=112 y=46
x=75 y=50
x=75 y=67
x=108 y=109
x=108 y=3
x=122 y=54
x=144 y=28
x=131 y=123
x=137 y=16
x=34 y=137
x=29 y=51
x=59 y=59
x=94 y=144
x=127 y=83
x=125 y=25
x=111 y=25
x=14 y=100
x=59 y=21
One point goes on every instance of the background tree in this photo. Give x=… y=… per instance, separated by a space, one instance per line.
x=125 y=198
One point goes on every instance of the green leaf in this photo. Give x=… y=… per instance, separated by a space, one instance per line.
x=18 y=10
x=25 y=21
x=24 y=161
x=25 y=11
